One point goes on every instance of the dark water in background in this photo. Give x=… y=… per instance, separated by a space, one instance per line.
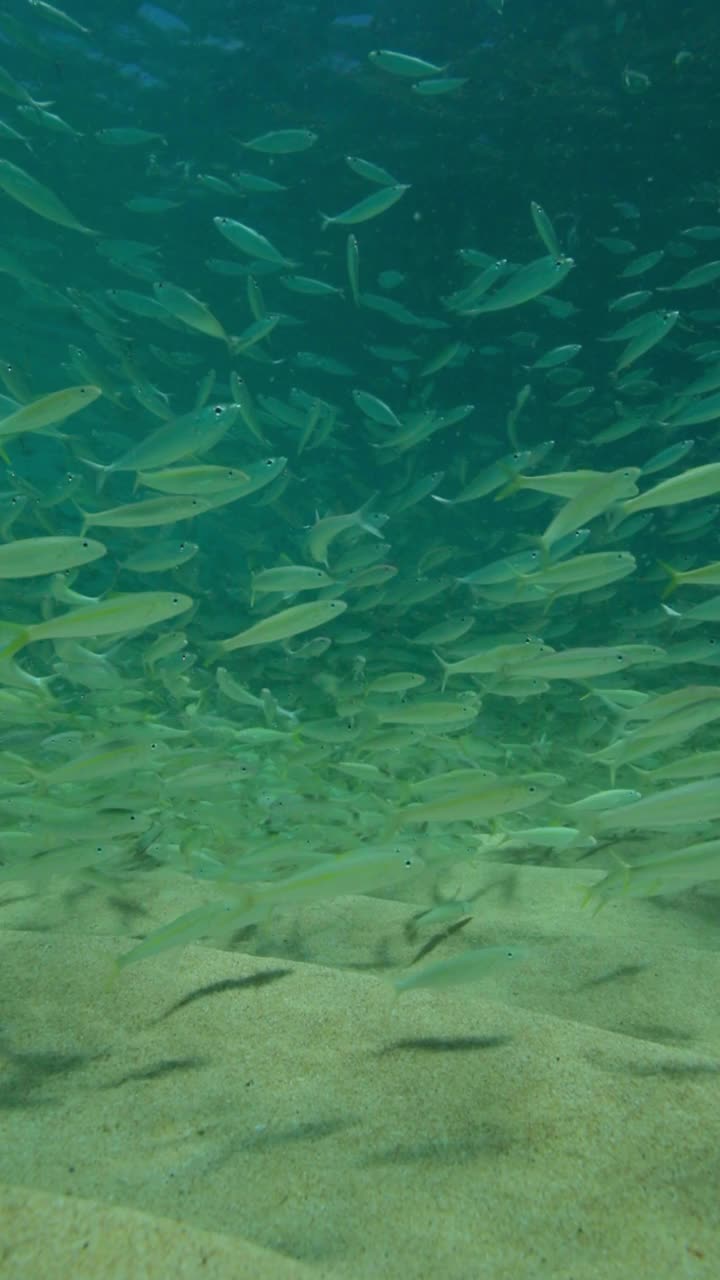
x=545 y=116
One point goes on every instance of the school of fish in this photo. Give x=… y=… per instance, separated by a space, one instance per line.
x=299 y=595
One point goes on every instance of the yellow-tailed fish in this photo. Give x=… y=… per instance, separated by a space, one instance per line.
x=147 y=513
x=698 y=482
x=201 y=479
x=48 y=410
x=33 y=557
x=117 y=615
x=486 y=800
x=281 y=626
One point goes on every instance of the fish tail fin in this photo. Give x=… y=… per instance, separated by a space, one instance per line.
x=511 y=487
x=370 y=527
x=325 y=221
x=13 y=638
x=446 y=670
x=588 y=896
x=391 y=827
x=616 y=515
x=213 y=652
x=364 y=517
x=674 y=576
x=101 y=472
x=625 y=867
x=86 y=517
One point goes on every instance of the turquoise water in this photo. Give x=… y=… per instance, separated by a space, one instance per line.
x=359 y=614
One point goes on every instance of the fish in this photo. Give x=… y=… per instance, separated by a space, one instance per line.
x=395 y=682
x=158 y=557
x=281 y=626
x=352 y=259
x=440 y=86
x=459 y=970
x=375 y=409
x=251 y=242
x=370 y=207
x=34 y=557
x=428 y=712
x=486 y=800
x=288 y=579
x=403 y=64
x=28 y=191
x=528 y=282
x=11 y=88
x=590 y=501
x=282 y=142
x=670 y=871
x=697 y=482
x=328 y=528
x=198 y=479
x=193 y=433
x=310 y=287
x=188 y=309
x=117 y=615
x=147 y=513
x=545 y=229
x=128 y=136
x=557 y=356
x=707 y=575
x=352 y=872
x=654 y=332
x=371 y=172
x=48 y=410
x=497 y=658
x=49 y=120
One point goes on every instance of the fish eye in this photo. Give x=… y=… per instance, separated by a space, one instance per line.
x=85 y=543
x=218 y=410
x=269 y=462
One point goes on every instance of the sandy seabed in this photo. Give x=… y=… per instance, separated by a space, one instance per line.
x=277 y=1111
